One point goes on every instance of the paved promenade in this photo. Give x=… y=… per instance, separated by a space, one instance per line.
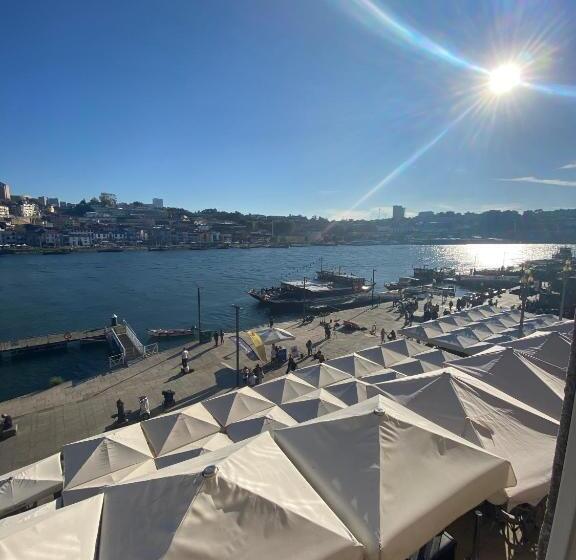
x=49 y=419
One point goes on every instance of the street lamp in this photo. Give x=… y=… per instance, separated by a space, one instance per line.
x=237 y=308
x=525 y=281
x=566 y=270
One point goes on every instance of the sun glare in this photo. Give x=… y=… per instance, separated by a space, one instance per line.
x=504 y=79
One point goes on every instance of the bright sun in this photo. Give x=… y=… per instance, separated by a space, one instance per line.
x=504 y=79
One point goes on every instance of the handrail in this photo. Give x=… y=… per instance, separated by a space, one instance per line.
x=113 y=339
x=133 y=338
x=150 y=349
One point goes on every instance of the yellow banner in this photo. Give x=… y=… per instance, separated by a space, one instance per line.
x=258 y=345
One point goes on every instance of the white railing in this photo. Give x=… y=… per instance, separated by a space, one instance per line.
x=118 y=360
x=150 y=349
x=133 y=338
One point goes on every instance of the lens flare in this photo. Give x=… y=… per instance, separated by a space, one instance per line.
x=504 y=79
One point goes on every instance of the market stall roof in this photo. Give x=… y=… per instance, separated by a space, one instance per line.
x=450 y=322
x=236 y=405
x=30 y=484
x=458 y=341
x=489 y=418
x=395 y=478
x=74 y=494
x=274 y=335
x=263 y=421
x=423 y=332
x=321 y=375
x=349 y=391
x=179 y=427
x=389 y=353
x=550 y=347
x=311 y=405
x=245 y=501
x=102 y=454
x=193 y=450
x=562 y=327
x=70 y=533
x=435 y=357
x=8 y=524
x=354 y=364
x=284 y=388
x=514 y=374
x=413 y=366
x=379 y=376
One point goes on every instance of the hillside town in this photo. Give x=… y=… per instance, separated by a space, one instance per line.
x=105 y=223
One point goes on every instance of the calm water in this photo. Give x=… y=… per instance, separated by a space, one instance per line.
x=42 y=294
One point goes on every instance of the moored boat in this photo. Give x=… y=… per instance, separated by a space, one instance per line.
x=162 y=333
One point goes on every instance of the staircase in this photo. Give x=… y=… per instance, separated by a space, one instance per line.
x=124 y=340
x=131 y=350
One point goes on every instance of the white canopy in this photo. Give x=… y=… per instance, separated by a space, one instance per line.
x=273 y=335
x=489 y=418
x=380 y=376
x=424 y=331
x=247 y=502
x=30 y=484
x=102 y=454
x=391 y=352
x=354 y=364
x=320 y=375
x=550 y=347
x=435 y=357
x=236 y=405
x=284 y=388
x=514 y=374
x=8 y=523
x=311 y=405
x=74 y=494
x=263 y=421
x=395 y=478
x=450 y=322
x=562 y=327
x=412 y=366
x=180 y=427
x=69 y=533
x=349 y=391
x=458 y=340
x=193 y=450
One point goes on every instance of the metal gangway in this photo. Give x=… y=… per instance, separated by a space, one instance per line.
x=123 y=339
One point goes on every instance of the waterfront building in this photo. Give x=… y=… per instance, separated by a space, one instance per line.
x=42 y=201
x=4 y=212
x=4 y=191
x=398 y=212
x=27 y=209
x=53 y=202
x=158 y=203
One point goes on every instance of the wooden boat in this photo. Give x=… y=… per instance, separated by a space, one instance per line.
x=161 y=333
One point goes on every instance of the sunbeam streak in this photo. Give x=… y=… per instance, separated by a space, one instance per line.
x=415 y=38
x=552 y=89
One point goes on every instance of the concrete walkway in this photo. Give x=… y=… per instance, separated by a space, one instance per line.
x=49 y=419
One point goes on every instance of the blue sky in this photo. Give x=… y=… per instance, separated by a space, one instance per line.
x=289 y=106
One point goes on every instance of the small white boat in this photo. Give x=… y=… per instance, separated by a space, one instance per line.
x=158 y=333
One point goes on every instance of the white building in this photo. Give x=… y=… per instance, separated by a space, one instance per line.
x=28 y=209
x=4 y=191
x=79 y=239
x=4 y=212
x=158 y=202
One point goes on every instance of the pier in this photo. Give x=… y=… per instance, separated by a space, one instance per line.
x=51 y=341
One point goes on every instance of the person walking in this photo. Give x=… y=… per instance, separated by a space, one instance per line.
x=245 y=375
x=309 y=347
x=221 y=336
x=259 y=373
x=383 y=336
x=271 y=322
x=121 y=414
x=185 y=358
x=251 y=379
x=291 y=365
x=215 y=337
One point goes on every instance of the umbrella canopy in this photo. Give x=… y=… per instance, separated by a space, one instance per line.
x=391 y=352
x=435 y=357
x=514 y=374
x=30 y=484
x=263 y=421
x=94 y=487
x=412 y=366
x=550 y=347
x=245 y=502
x=321 y=375
x=274 y=335
x=354 y=364
x=236 y=405
x=450 y=322
x=8 y=524
x=69 y=533
x=395 y=478
x=562 y=327
x=193 y=450
x=489 y=418
x=380 y=376
x=284 y=388
x=424 y=332
x=349 y=391
x=458 y=341
x=180 y=427
x=311 y=405
x=102 y=454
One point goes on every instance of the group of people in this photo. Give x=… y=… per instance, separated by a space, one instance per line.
x=387 y=336
x=218 y=335
x=252 y=377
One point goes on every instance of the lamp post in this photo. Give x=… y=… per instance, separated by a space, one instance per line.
x=566 y=270
x=373 y=271
x=304 y=302
x=199 y=325
x=525 y=281
x=237 y=308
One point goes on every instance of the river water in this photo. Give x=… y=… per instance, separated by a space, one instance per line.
x=41 y=294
